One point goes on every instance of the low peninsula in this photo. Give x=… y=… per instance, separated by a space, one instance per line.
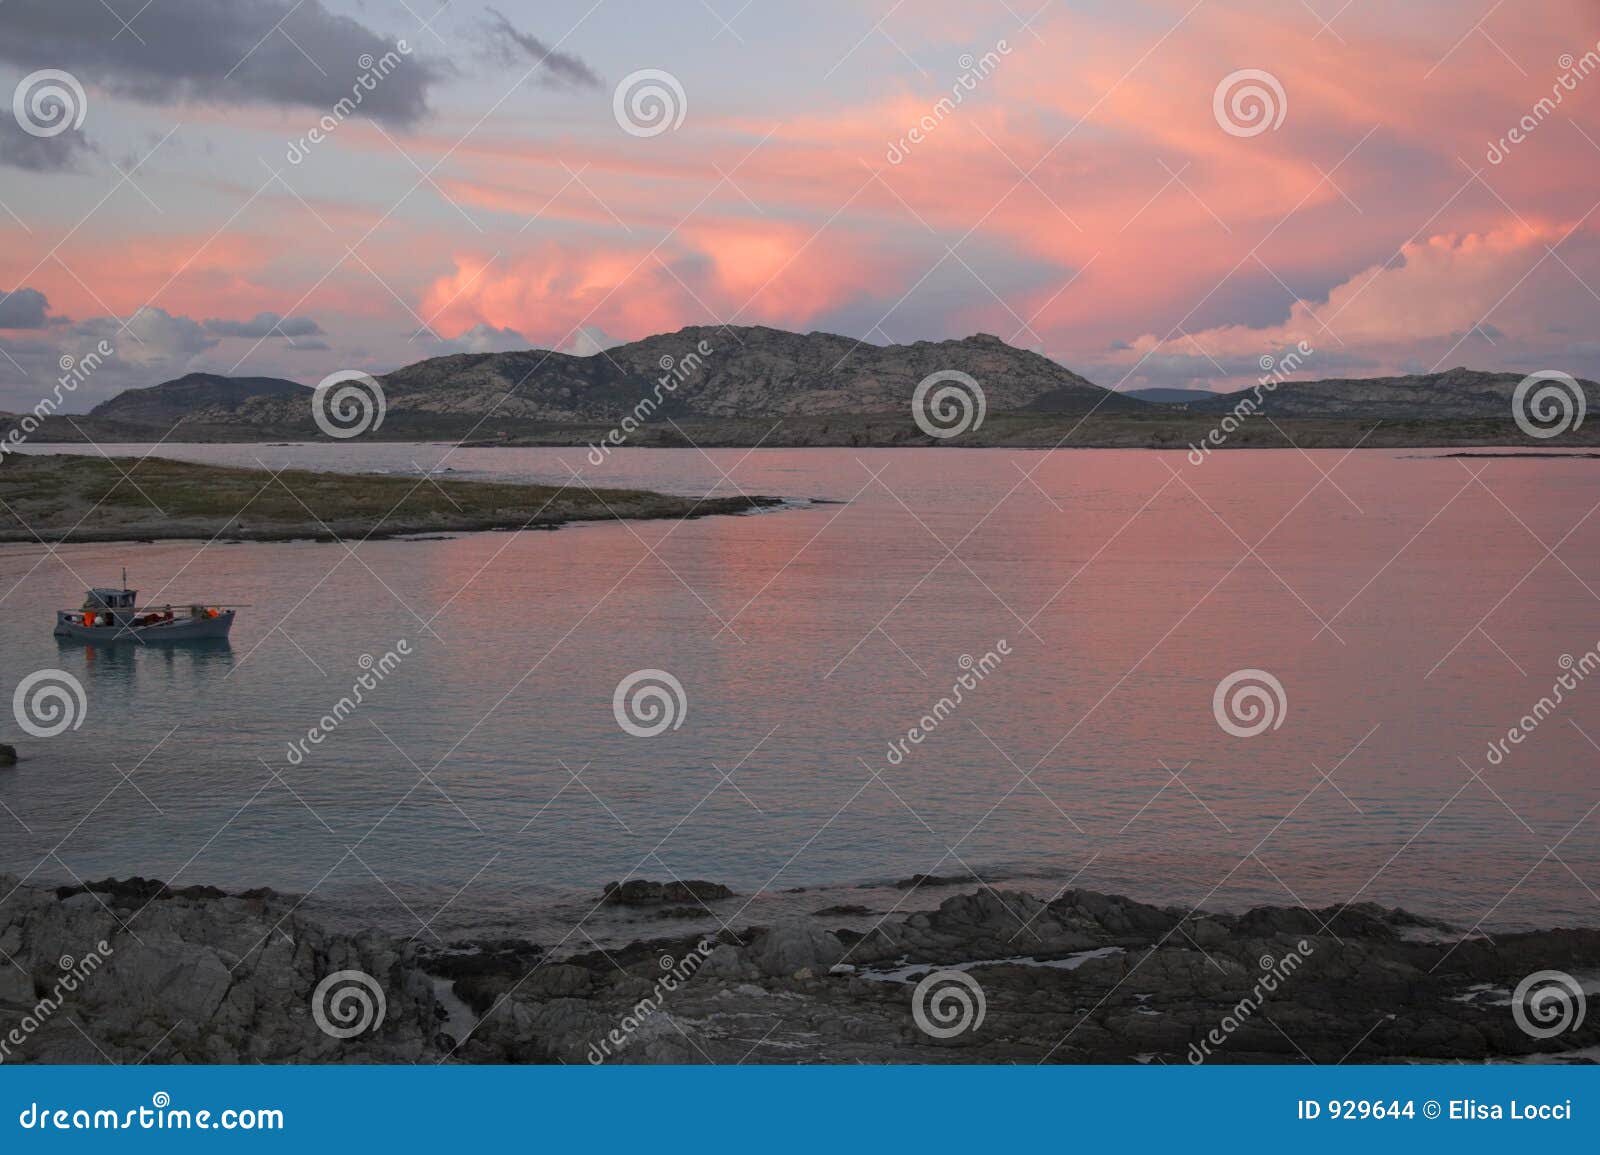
x=67 y=498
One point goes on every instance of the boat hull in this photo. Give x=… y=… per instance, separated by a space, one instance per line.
x=181 y=629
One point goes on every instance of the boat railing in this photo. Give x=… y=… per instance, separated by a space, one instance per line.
x=147 y=615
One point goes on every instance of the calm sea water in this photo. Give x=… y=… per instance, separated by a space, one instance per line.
x=1411 y=614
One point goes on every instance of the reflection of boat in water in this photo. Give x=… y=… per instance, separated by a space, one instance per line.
x=114 y=615
x=126 y=661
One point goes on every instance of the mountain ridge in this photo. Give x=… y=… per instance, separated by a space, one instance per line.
x=734 y=371
x=715 y=372
x=747 y=385
x=170 y=402
x=1454 y=393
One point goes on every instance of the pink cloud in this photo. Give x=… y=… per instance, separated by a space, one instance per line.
x=1086 y=179
x=1442 y=286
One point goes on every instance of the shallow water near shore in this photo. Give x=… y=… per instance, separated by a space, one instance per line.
x=1412 y=614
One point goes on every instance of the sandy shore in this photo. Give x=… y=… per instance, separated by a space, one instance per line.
x=57 y=498
x=199 y=976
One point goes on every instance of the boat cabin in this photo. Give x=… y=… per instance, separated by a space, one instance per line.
x=101 y=605
x=105 y=599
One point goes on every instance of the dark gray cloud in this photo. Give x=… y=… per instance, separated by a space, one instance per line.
x=264 y=325
x=506 y=45
x=24 y=309
x=150 y=335
x=220 y=52
x=151 y=346
x=23 y=150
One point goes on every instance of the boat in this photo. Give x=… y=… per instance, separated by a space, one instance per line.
x=115 y=615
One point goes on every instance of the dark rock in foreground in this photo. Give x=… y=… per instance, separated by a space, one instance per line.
x=143 y=890
x=185 y=975
x=8 y=755
x=643 y=892
x=917 y=880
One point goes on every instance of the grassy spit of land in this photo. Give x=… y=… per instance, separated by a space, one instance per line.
x=57 y=498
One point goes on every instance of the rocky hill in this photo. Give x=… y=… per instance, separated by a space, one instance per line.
x=204 y=397
x=725 y=372
x=1163 y=395
x=1454 y=394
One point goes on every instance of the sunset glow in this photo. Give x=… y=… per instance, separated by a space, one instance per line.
x=1416 y=208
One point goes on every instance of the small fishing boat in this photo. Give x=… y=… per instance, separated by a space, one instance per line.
x=115 y=615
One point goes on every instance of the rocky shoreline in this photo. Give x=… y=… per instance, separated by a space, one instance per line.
x=136 y=971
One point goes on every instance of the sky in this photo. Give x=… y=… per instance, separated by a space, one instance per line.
x=1151 y=193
